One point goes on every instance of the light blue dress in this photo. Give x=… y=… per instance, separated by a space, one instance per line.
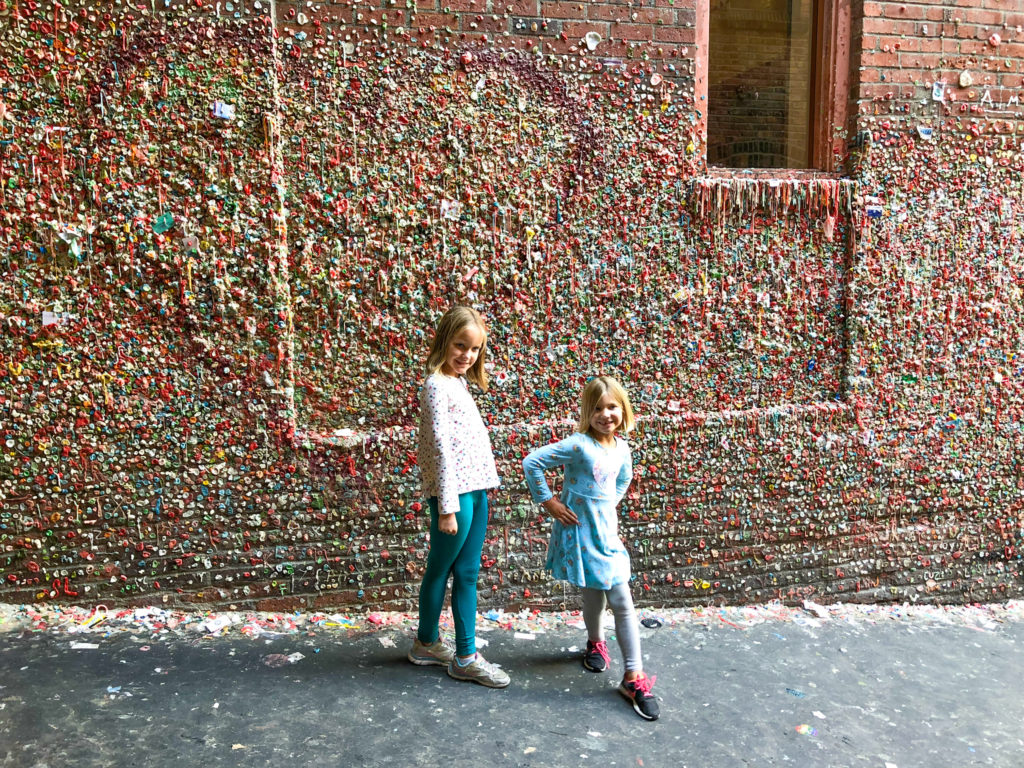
x=590 y=554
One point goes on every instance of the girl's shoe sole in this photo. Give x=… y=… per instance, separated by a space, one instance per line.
x=429 y=661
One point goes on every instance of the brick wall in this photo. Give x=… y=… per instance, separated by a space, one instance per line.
x=217 y=406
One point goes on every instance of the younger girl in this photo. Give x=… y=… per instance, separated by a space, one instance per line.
x=457 y=468
x=585 y=547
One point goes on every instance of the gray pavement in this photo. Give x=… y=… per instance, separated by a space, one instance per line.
x=842 y=686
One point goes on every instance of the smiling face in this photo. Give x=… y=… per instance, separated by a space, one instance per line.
x=463 y=350
x=606 y=418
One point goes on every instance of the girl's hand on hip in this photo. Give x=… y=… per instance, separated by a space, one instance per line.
x=447 y=524
x=560 y=512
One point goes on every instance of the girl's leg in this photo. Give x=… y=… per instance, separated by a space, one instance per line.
x=626 y=629
x=466 y=569
x=444 y=549
x=593 y=613
x=635 y=685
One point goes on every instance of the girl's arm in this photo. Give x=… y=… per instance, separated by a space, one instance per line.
x=555 y=455
x=548 y=457
x=625 y=477
x=435 y=412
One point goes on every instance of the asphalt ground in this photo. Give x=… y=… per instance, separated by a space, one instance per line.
x=757 y=686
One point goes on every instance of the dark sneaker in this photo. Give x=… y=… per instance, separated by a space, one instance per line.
x=479 y=671
x=596 y=656
x=639 y=694
x=436 y=653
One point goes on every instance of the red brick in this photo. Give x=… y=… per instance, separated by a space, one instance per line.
x=479 y=6
x=524 y=43
x=680 y=35
x=626 y=14
x=1013 y=50
x=889 y=27
x=686 y=16
x=984 y=33
x=481 y=38
x=577 y=29
x=892 y=43
x=973 y=47
x=662 y=53
x=602 y=12
x=1001 y=97
x=395 y=18
x=874 y=90
x=880 y=59
x=438 y=20
x=388 y=5
x=877 y=26
x=909 y=75
x=900 y=11
x=613 y=48
x=558 y=46
x=527 y=8
x=1010 y=81
x=426 y=37
x=979 y=16
x=561 y=10
x=486 y=23
x=928 y=61
x=633 y=31
x=279 y=604
x=959 y=31
x=341 y=597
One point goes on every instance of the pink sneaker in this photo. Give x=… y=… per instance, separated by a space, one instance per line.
x=596 y=657
x=639 y=694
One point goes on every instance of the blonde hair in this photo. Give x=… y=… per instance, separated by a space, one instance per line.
x=454 y=321
x=596 y=388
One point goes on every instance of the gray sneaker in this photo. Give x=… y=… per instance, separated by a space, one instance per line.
x=479 y=671
x=436 y=653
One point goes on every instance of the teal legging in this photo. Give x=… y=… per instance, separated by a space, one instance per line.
x=458 y=555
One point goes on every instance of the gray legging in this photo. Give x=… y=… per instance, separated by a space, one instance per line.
x=626 y=629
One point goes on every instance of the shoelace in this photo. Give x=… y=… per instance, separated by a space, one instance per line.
x=644 y=684
x=485 y=665
x=602 y=649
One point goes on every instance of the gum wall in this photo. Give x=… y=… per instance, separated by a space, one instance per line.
x=229 y=228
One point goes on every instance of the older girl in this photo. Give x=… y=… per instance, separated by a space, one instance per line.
x=457 y=468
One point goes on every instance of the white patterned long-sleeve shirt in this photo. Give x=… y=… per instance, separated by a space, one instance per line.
x=454 y=453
